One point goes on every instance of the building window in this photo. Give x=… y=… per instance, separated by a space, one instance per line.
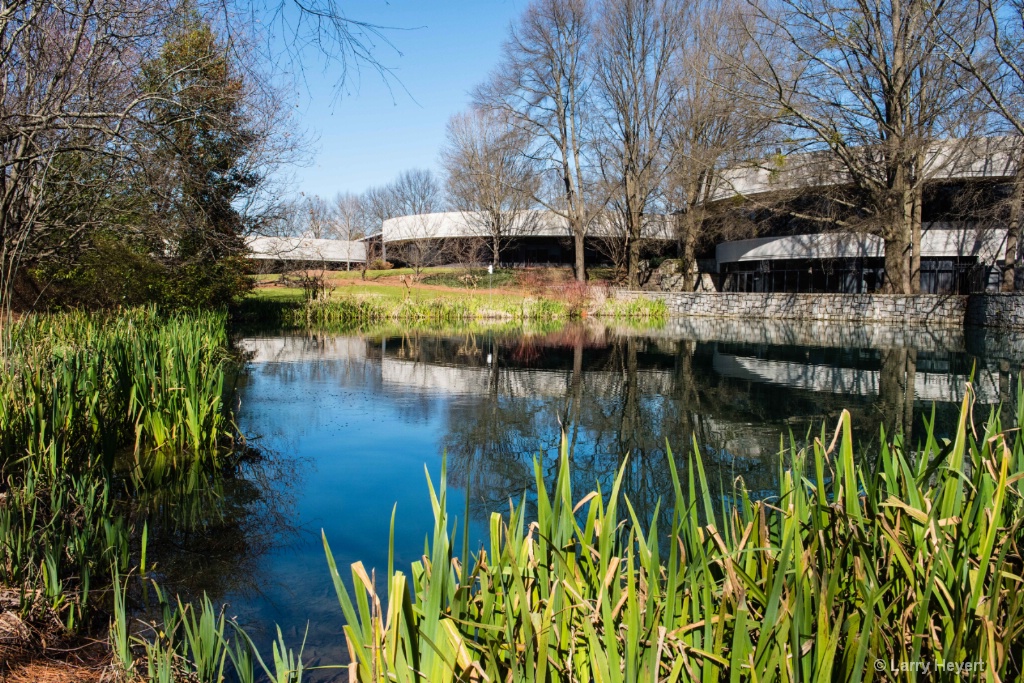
x=849 y=276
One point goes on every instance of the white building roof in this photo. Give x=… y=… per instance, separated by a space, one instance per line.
x=991 y=157
x=940 y=240
x=452 y=224
x=306 y=249
x=928 y=386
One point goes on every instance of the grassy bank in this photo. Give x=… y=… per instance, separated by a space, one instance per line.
x=114 y=428
x=374 y=305
x=854 y=571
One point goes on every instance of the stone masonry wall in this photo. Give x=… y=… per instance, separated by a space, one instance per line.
x=811 y=333
x=923 y=309
x=996 y=310
x=1004 y=311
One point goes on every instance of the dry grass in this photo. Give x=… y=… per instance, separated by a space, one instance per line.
x=37 y=648
x=57 y=671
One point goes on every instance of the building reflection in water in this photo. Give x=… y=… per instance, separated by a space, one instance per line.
x=728 y=388
x=356 y=417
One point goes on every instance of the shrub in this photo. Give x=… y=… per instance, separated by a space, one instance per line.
x=113 y=273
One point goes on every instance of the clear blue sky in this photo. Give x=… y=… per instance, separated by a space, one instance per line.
x=370 y=133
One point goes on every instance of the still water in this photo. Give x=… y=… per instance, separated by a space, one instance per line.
x=352 y=424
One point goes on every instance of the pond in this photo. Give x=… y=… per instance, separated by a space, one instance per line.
x=353 y=422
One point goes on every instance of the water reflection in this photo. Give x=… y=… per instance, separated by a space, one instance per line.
x=369 y=410
x=209 y=535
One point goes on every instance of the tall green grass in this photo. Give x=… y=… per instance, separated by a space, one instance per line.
x=357 y=311
x=852 y=569
x=81 y=385
x=365 y=310
x=100 y=416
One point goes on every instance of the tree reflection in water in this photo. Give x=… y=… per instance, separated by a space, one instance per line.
x=371 y=408
x=209 y=535
x=619 y=392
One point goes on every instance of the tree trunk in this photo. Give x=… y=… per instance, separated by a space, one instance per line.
x=909 y=390
x=892 y=390
x=899 y=235
x=580 y=266
x=688 y=240
x=915 y=241
x=897 y=265
x=495 y=253
x=633 y=259
x=1013 y=229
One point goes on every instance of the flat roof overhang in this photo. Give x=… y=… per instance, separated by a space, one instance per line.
x=987 y=245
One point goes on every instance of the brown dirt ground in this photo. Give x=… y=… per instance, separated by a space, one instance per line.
x=56 y=671
x=39 y=649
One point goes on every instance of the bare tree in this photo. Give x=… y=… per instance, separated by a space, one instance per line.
x=636 y=44
x=711 y=127
x=319 y=219
x=415 y=192
x=379 y=204
x=994 y=58
x=542 y=85
x=68 y=102
x=490 y=180
x=427 y=244
x=298 y=33
x=352 y=216
x=868 y=83
x=352 y=220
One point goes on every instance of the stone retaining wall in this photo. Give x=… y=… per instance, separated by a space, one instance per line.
x=996 y=310
x=817 y=333
x=923 y=309
x=981 y=310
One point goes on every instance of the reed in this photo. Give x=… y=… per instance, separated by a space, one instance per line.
x=100 y=413
x=853 y=570
x=81 y=386
x=369 y=310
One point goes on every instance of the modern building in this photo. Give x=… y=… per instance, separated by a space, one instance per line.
x=962 y=238
x=534 y=238
x=788 y=210
x=284 y=253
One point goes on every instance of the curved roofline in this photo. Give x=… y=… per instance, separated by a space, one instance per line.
x=532 y=223
x=953 y=159
x=305 y=249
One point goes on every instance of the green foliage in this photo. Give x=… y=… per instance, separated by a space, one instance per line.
x=202 y=136
x=635 y=309
x=101 y=417
x=915 y=558
x=212 y=284
x=284 y=310
x=203 y=628
x=175 y=236
x=474 y=278
x=361 y=310
x=113 y=272
x=107 y=274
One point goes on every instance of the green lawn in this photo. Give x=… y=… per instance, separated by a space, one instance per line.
x=277 y=294
x=393 y=272
x=392 y=292
x=478 y=278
